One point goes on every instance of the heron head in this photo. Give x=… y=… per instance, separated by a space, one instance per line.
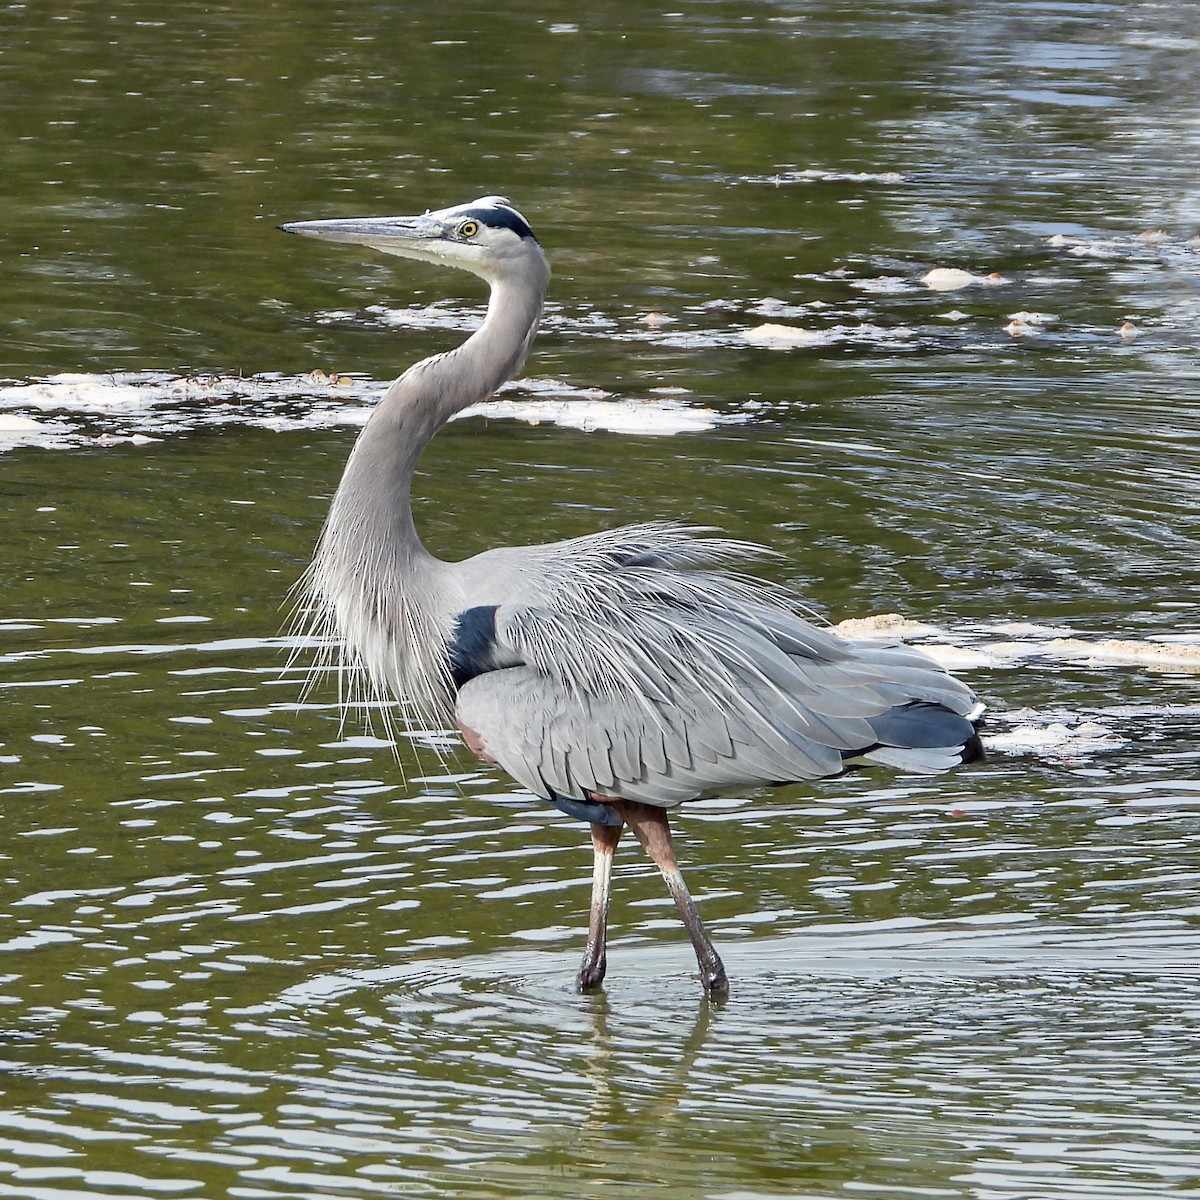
x=485 y=236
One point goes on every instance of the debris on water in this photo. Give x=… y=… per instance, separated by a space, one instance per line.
x=441 y=315
x=1128 y=330
x=788 y=337
x=1094 y=250
x=1023 y=323
x=883 y=285
x=558 y=388
x=1012 y=644
x=655 y=319
x=17 y=431
x=771 y=306
x=1158 y=656
x=889 y=625
x=1060 y=241
x=952 y=279
x=653 y=417
x=10 y=423
x=1065 y=739
x=820 y=175
x=75 y=390
x=1087 y=248
x=122 y=439
x=1154 y=245
x=319 y=378
x=784 y=335
x=1031 y=630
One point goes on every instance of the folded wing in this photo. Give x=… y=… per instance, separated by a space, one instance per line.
x=672 y=695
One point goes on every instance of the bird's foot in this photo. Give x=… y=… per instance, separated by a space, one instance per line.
x=717 y=988
x=714 y=979
x=591 y=973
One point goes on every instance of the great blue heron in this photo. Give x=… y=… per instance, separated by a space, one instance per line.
x=614 y=675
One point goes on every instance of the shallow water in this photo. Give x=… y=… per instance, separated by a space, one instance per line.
x=252 y=950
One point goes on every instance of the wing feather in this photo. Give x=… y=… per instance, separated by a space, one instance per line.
x=622 y=668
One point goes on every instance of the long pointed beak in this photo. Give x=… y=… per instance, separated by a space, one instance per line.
x=406 y=236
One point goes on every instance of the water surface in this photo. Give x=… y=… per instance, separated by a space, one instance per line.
x=251 y=949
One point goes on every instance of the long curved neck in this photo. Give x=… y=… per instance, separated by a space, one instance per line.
x=372 y=586
x=375 y=487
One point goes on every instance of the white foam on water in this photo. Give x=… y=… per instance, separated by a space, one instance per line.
x=138 y=408
x=78 y=391
x=10 y=424
x=1057 y=739
x=652 y=416
x=1010 y=644
x=140 y=390
x=16 y=430
x=884 y=625
x=773 y=336
x=821 y=175
x=883 y=285
x=1150 y=242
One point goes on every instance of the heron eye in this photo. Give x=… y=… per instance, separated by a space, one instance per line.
x=468 y=229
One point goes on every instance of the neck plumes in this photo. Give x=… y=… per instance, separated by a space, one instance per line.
x=379 y=601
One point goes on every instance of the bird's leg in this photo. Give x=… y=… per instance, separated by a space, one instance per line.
x=653 y=830
x=604 y=844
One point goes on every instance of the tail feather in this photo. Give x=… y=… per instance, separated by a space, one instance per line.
x=920 y=724
x=921 y=737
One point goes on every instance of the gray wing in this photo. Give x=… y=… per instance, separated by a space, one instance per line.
x=667 y=702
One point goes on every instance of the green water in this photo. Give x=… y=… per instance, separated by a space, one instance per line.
x=247 y=950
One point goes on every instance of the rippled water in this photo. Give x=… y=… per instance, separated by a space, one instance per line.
x=250 y=949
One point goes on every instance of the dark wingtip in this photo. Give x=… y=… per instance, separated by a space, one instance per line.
x=973 y=750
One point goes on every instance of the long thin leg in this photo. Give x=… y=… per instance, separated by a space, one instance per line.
x=653 y=830
x=595 y=962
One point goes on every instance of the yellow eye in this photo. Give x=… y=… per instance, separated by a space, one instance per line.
x=468 y=229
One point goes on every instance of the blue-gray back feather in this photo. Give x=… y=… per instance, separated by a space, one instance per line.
x=643 y=675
